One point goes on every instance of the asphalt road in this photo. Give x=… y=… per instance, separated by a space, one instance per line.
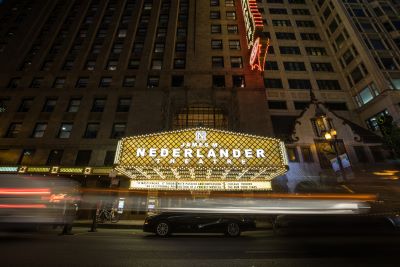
x=110 y=247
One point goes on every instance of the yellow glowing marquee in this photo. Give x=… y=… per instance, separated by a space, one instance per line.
x=200 y=154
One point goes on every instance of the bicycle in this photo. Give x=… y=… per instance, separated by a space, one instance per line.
x=105 y=215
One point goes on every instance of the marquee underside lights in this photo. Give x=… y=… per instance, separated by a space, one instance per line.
x=186 y=159
x=252 y=20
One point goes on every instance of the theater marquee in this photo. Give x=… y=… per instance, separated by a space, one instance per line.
x=200 y=159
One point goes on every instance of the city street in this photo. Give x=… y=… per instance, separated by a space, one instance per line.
x=111 y=247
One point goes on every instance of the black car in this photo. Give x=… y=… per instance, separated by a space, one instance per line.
x=164 y=224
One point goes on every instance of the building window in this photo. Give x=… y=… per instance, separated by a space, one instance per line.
x=68 y=65
x=180 y=47
x=285 y=36
x=65 y=130
x=105 y=82
x=299 y=84
x=159 y=48
x=179 y=63
x=124 y=104
x=218 y=80
x=316 y=51
x=59 y=82
x=153 y=81
x=201 y=115
x=215 y=15
x=230 y=15
x=109 y=158
x=122 y=33
x=55 y=157
x=39 y=130
x=26 y=105
x=216 y=28
x=90 y=65
x=216 y=44
x=98 y=105
x=271 y=65
x=289 y=50
x=129 y=81
x=326 y=67
x=236 y=62
x=91 y=130
x=47 y=65
x=74 y=105
x=230 y=3
x=112 y=65
x=82 y=82
x=294 y=66
x=118 y=130
x=217 y=62
x=232 y=29
x=234 y=44
x=83 y=157
x=133 y=64
x=49 y=105
x=117 y=48
x=14 y=130
x=281 y=22
x=238 y=81
x=273 y=83
x=301 y=105
x=274 y=104
x=214 y=2
x=177 y=80
x=328 y=85
x=156 y=64
x=36 y=82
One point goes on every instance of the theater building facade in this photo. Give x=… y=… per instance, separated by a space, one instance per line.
x=189 y=95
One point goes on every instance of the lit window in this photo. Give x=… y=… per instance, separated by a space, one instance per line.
x=39 y=130
x=65 y=130
x=74 y=105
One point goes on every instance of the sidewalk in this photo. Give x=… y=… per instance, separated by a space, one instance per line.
x=138 y=224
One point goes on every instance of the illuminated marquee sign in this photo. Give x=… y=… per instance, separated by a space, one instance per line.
x=252 y=20
x=199 y=185
x=200 y=154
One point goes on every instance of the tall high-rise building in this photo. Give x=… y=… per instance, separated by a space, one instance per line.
x=76 y=76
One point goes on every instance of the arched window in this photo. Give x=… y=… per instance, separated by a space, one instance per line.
x=200 y=116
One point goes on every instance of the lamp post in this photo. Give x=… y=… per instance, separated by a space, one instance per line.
x=331 y=137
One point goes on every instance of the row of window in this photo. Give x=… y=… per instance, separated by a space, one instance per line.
x=271 y=83
x=152 y=80
x=98 y=104
x=65 y=130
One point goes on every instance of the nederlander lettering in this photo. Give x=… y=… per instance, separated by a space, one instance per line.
x=200 y=153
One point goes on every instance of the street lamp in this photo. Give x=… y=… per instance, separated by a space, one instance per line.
x=331 y=137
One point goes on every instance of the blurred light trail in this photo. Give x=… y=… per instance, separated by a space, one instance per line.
x=25 y=191
x=22 y=206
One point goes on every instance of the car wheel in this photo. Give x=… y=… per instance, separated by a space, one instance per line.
x=163 y=229
x=232 y=229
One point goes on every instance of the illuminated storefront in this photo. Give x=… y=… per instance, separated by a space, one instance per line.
x=201 y=159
